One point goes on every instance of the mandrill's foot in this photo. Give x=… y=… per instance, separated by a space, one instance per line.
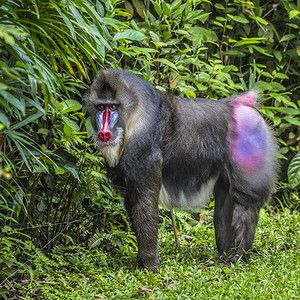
x=233 y=256
x=151 y=267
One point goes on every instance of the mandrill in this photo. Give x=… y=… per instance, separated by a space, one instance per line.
x=176 y=151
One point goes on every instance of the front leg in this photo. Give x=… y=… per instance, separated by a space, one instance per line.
x=141 y=202
x=144 y=219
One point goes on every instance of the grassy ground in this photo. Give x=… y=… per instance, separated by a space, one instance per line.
x=191 y=272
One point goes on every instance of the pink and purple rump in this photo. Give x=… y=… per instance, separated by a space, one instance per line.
x=248 y=135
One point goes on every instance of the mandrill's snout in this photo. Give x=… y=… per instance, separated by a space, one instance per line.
x=104 y=136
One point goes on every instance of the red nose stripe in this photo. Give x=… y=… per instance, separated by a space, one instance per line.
x=104 y=134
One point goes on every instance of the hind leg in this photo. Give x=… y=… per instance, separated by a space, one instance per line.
x=223 y=217
x=244 y=223
x=235 y=219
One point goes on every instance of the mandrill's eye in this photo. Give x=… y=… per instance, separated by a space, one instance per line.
x=100 y=107
x=113 y=107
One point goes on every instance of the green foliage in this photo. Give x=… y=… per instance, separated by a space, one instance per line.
x=294 y=172
x=57 y=175
x=190 y=272
x=53 y=187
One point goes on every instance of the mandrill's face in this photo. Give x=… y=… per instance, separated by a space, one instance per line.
x=106 y=120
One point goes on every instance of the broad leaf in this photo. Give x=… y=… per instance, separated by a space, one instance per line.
x=294 y=171
x=129 y=34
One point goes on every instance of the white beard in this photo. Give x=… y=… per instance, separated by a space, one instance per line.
x=111 y=153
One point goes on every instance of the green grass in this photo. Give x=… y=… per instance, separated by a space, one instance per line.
x=191 y=272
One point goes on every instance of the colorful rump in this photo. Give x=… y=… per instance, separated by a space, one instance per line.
x=248 y=135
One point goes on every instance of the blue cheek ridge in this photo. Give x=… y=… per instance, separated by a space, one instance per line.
x=114 y=116
x=113 y=119
x=99 y=120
